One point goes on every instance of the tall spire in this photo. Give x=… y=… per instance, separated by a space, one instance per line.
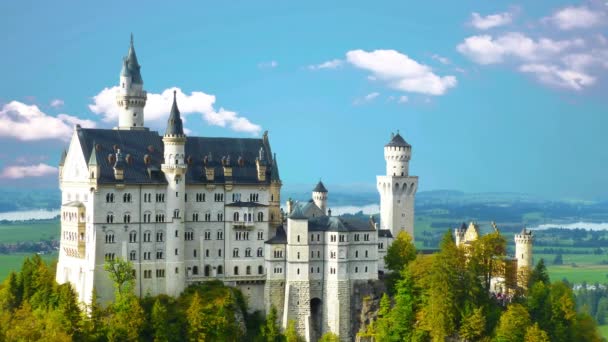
x=174 y=124
x=131 y=66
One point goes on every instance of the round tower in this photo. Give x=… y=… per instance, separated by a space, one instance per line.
x=175 y=169
x=319 y=196
x=397 y=154
x=523 y=249
x=131 y=96
x=397 y=188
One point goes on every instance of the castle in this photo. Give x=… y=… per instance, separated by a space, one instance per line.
x=186 y=209
x=514 y=270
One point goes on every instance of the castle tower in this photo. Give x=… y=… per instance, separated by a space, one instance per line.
x=319 y=196
x=175 y=169
x=397 y=188
x=459 y=234
x=523 y=249
x=131 y=96
x=297 y=286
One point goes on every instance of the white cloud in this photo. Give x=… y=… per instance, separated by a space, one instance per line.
x=401 y=72
x=403 y=99
x=367 y=98
x=490 y=21
x=569 y=18
x=441 y=59
x=560 y=77
x=332 y=64
x=18 y=171
x=268 y=65
x=27 y=122
x=158 y=107
x=484 y=49
x=56 y=103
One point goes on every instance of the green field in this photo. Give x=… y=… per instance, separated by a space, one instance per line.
x=29 y=231
x=588 y=273
x=604 y=331
x=13 y=262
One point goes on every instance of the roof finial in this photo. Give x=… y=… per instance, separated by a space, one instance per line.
x=174 y=94
x=131 y=38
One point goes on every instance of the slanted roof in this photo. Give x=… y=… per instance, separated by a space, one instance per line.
x=398 y=141
x=309 y=209
x=297 y=213
x=339 y=224
x=240 y=204
x=139 y=144
x=279 y=238
x=320 y=187
x=385 y=233
x=175 y=126
x=93 y=158
x=130 y=66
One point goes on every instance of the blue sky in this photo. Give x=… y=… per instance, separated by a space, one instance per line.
x=493 y=96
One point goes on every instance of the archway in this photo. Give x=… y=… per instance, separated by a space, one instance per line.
x=316 y=318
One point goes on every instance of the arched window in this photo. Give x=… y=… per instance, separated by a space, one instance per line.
x=220 y=270
x=195 y=270
x=110 y=218
x=298 y=238
x=132 y=255
x=133 y=236
x=236 y=217
x=260 y=216
x=147 y=236
x=207 y=270
x=159 y=237
x=176 y=213
x=110 y=237
x=248 y=252
x=235 y=253
x=260 y=252
x=248 y=270
x=236 y=270
x=260 y=269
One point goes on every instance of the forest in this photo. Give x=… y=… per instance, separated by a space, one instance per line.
x=437 y=297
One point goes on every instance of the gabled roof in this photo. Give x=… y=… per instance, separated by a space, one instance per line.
x=398 y=141
x=130 y=66
x=320 y=187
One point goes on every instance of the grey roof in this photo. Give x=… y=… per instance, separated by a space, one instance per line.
x=140 y=143
x=297 y=213
x=64 y=154
x=274 y=174
x=93 y=158
x=320 y=187
x=279 y=238
x=240 y=204
x=385 y=233
x=130 y=66
x=175 y=126
x=339 y=224
x=398 y=141
x=309 y=209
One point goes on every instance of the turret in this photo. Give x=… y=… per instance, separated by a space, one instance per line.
x=397 y=154
x=131 y=97
x=319 y=196
x=459 y=234
x=175 y=169
x=523 y=249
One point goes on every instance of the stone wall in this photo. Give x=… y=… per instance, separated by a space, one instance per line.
x=364 y=303
x=274 y=295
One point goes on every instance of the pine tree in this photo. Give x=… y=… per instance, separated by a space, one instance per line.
x=513 y=324
x=159 y=322
x=535 y=334
x=70 y=311
x=270 y=330
x=400 y=252
x=473 y=325
x=194 y=316
x=403 y=314
x=539 y=274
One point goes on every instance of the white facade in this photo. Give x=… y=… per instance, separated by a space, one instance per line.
x=397 y=188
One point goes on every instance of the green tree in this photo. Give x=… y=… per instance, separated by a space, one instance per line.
x=400 y=252
x=329 y=337
x=271 y=332
x=539 y=304
x=291 y=334
x=535 y=334
x=70 y=310
x=94 y=326
x=563 y=312
x=539 y=274
x=11 y=293
x=585 y=329
x=473 y=326
x=485 y=256
x=195 y=319
x=160 y=320
x=122 y=275
x=513 y=324
x=403 y=314
x=126 y=319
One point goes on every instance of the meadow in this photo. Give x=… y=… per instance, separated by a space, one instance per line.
x=21 y=231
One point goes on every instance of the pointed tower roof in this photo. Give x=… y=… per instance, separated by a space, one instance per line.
x=130 y=66
x=174 y=123
x=93 y=158
x=397 y=141
x=320 y=187
x=274 y=173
